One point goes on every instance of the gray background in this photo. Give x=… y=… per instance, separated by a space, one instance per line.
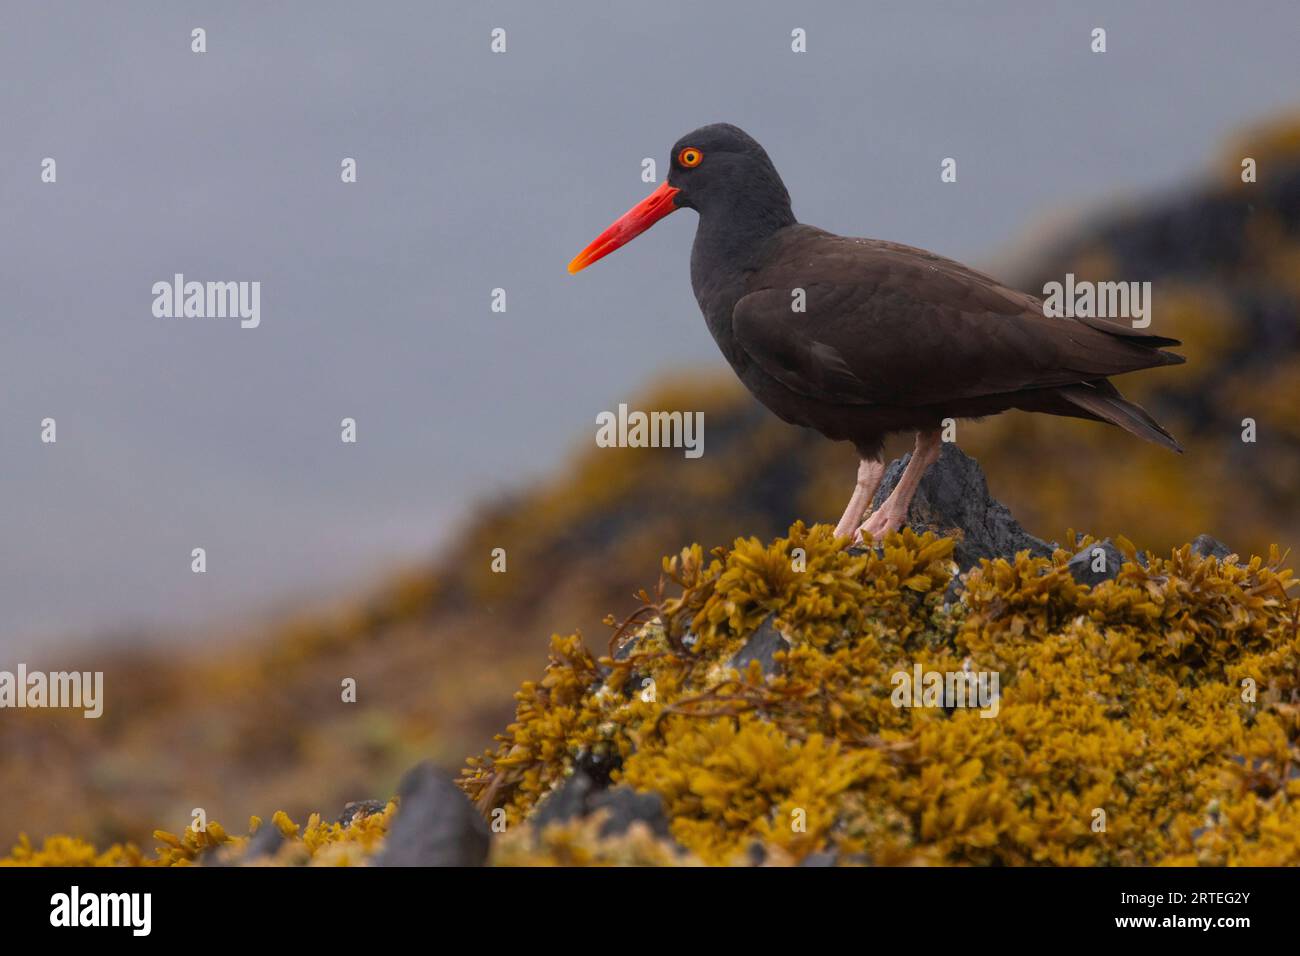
x=476 y=170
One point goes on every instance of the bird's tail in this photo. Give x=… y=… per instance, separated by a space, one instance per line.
x=1104 y=401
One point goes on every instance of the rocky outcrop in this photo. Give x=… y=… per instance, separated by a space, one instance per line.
x=953 y=500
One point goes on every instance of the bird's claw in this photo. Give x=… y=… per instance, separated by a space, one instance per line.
x=880 y=523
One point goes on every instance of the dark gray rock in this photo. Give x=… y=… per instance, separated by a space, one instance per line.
x=436 y=825
x=762 y=647
x=1081 y=565
x=599 y=766
x=266 y=842
x=263 y=844
x=954 y=496
x=567 y=801
x=580 y=796
x=1207 y=546
x=626 y=806
x=359 y=809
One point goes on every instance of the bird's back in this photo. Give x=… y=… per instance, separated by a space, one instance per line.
x=844 y=322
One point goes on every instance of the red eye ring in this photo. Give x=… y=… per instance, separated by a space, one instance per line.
x=690 y=157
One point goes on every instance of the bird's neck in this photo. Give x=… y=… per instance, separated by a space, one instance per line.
x=731 y=239
x=729 y=246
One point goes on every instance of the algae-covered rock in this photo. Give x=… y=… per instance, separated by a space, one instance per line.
x=799 y=703
x=1115 y=733
x=1149 y=719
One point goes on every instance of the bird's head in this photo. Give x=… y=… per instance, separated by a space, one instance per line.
x=715 y=169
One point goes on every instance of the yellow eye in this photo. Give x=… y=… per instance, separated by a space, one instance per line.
x=690 y=157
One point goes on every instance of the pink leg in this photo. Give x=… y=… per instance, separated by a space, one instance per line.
x=870 y=471
x=891 y=515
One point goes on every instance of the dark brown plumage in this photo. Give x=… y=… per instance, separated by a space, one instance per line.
x=891 y=338
x=896 y=338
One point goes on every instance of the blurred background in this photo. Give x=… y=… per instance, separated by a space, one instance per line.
x=476 y=428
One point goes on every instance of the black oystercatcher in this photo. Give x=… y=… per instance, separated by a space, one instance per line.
x=890 y=338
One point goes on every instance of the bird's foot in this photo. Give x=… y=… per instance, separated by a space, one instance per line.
x=848 y=530
x=882 y=521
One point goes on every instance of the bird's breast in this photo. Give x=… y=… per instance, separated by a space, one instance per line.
x=717 y=295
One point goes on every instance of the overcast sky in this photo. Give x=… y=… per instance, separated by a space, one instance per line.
x=475 y=170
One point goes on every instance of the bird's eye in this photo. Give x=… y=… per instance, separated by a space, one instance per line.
x=690 y=157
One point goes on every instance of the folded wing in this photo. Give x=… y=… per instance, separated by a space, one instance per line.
x=888 y=324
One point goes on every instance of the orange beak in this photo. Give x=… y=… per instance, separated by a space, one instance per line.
x=628 y=226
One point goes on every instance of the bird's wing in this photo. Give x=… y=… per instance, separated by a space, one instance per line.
x=889 y=324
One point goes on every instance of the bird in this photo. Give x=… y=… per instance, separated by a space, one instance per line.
x=860 y=339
